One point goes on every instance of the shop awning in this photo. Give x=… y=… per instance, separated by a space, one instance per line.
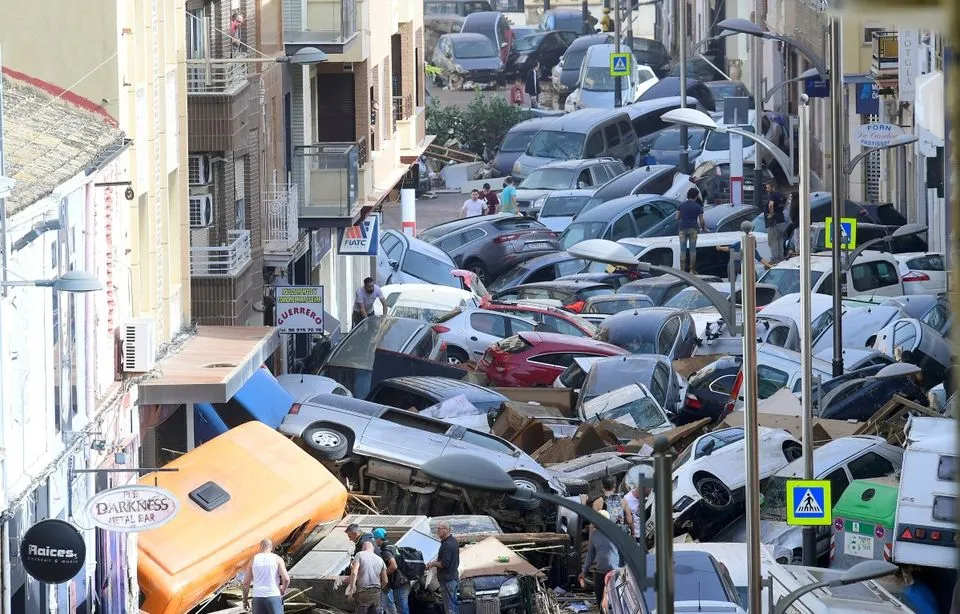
x=211 y=366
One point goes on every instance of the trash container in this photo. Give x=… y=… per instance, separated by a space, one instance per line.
x=863 y=521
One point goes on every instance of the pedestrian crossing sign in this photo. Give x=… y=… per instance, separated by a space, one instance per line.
x=619 y=64
x=808 y=502
x=848 y=233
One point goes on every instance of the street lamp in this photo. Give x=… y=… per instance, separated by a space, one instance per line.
x=907 y=230
x=865 y=570
x=738 y=25
x=305 y=56
x=807 y=74
x=76 y=282
x=898 y=141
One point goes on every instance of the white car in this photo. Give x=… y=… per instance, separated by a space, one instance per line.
x=560 y=207
x=632 y=405
x=423 y=301
x=709 y=477
x=468 y=332
x=304 y=386
x=872 y=274
x=596 y=87
x=922 y=273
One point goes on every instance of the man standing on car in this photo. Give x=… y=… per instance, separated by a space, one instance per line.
x=533 y=84
x=368 y=579
x=267 y=574
x=448 y=568
x=690 y=217
x=775 y=221
x=367 y=295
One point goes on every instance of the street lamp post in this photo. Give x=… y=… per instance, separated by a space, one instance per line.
x=838 y=137
x=684 y=150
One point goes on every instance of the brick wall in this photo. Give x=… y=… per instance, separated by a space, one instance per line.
x=377 y=129
x=407 y=62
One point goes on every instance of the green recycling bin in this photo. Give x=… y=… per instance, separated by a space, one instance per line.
x=863 y=521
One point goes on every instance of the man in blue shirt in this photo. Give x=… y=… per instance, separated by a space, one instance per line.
x=690 y=217
x=736 y=247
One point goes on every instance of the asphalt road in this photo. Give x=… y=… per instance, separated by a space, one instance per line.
x=430 y=211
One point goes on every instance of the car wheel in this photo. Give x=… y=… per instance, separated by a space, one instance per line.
x=531 y=483
x=327 y=442
x=792 y=451
x=714 y=492
x=476 y=267
x=456 y=356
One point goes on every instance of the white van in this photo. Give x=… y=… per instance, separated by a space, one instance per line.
x=665 y=251
x=872 y=274
x=926 y=529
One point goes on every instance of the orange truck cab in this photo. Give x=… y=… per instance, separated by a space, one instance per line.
x=238 y=488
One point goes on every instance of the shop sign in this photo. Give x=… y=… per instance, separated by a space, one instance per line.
x=129 y=509
x=362 y=239
x=877 y=135
x=299 y=309
x=53 y=551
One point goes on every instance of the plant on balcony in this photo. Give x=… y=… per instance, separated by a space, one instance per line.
x=485 y=120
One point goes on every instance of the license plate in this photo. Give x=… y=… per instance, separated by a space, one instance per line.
x=538 y=245
x=858 y=545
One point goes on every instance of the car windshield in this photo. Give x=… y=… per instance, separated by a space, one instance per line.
x=563 y=206
x=697 y=581
x=720 y=141
x=527 y=43
x=689 y=298
x=628 y=405
x=669 y=139
x=608 y=375
x=723 y=90
x=472 y=49
x=573 y=376
x=517 y=141
x=513 y=277
x=581 y=231
x=357 y=350
x=574 y=58
x=548 y=179
x=556 y=145
x=598 y=79
x=787 y=281
x=612 y=307
x=430 y=270
x=638 y=340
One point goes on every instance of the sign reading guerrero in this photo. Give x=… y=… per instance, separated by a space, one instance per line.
x=299 y=309
x=129 y=509
x=53 y=551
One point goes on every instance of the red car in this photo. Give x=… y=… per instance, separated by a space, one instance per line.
x=531 y=359
x=549 y=319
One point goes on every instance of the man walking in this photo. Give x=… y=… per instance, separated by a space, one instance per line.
x=473 y=206
x=368 y=579
x=367 y=295
x=491 y=198
x=613 y=504
x=508 y=197
x=775 y=221
x=448 y=568
x=602 y=552
x=690 y=216
x=634 y=498
x=397 y=598
x=267 y=574
x=533 y=85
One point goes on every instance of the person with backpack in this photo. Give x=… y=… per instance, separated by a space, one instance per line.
x=396 y=600
x=613 y=504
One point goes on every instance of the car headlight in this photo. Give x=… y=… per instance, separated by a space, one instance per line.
x=459 y=68
x=682 y=504
x=509 y=588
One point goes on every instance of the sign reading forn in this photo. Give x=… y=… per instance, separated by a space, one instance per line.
x=299 y=309
x=877 y=135
x=129 y=509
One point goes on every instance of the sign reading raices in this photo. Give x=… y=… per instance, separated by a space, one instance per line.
x=53 y=551
x=299 y=309
x=129 y=509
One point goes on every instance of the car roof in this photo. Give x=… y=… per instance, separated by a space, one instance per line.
x=532 y=125
x=619 y=296
x=833 y=453
x=599 y=55
x=643 y=363
x=625 y=182
x=585 y=343
x=545 y=259
x=704 y=239
x=421 y=246
x=467 y=36
x=722 y=211
x=442 y=386
x=643 y=107
x=823 y=262
x=583 y=119
x=590 y=40
x=646 y=315
x=565 y=284
x=456 y=225
x=575 y=163
x=482 y=16
x=605 y=212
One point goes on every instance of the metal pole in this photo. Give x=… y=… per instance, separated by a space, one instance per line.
x=663 y=478
x=806 y=311
x=585 y=16
x=839 y=184
x=750 y=422
x=902 y=186
x=3 y=201
x=617 y=81
x=682 y=46
x=756 y=70
x=630 y=25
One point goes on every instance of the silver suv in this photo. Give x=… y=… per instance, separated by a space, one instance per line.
x=564 y=175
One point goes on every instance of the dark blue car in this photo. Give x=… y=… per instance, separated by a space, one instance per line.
x=261 y=398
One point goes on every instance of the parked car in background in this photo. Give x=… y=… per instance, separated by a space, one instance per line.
x=561 y=206
x=646 y=179
x=858 y=399
x=646 y=114
x=566 y=74
x=572 y=294
x=541 y=268
x=495 y=26
x=712 y=178
x=516 y=141
x=867 y=231
x=923 y=273
x=405 y=260
x=598 y=308
x=351 y=361
x=619 y=218
x=931 y=351
x=708 y=390
x=570 y=20
x=455 y=7
x=656 y=330
x=872 y=273
x=548 y=319
x=699 y=68
x=469 y=332
x=564 y=175
x=664 y=145
x=543 y=48
x=467 y=57
x=574 y=375
x=653 y=371
x=303 y=385
x=521 y=31
x=725 y=88
x=653 y=54
x=660 y=288
x=495 y=243
x=596 y=88
x=670 y=86
x=719 y=219
x=422 y=392
x=536 y=359
x=611 y=276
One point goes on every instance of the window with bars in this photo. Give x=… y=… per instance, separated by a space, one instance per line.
x=871 y=171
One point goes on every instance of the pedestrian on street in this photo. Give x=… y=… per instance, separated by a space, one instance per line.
x=508 y=197
x=397 y=597
x=267 y=574
x=368 y=579
x=367 y=295
x=473 y=206
x=603 y=556
x=516 y=92
x=633 y=499
x=606 y=24
x=690 y=216
x=736 y=247
x=775 y=221
x=491 y=197
x=613 y=504
x=533 y=84
x=448 y=568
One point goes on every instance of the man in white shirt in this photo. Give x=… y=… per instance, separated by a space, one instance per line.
x=474 y=206
x=267 y=574
x=367 y=295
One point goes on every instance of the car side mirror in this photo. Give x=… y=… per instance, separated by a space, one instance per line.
x=708 y=447
x=394 y=265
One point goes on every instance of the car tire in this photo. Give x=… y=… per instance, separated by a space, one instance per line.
x=477 y=268
x=327 y=442
x=525 y=480
x=456 y=356
x=792 y=451
x=714 y=493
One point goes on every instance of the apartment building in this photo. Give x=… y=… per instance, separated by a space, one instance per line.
x=356 y=125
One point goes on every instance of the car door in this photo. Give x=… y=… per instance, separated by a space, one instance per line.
x=488 y=327
x=601 y=174
x=660 y=385
x=466 y=441
x=391 y=251
x=621 y=228
x=877 y=277
x=404 y=437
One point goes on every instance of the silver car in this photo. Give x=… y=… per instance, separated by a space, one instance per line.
x=469 y=332
x=334 y=427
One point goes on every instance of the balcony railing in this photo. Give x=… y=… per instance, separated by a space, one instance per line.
x=219 y=78
x=333 y=178
x=402 y=106
x=224 y=261
x=280 y=219
x=332 y=21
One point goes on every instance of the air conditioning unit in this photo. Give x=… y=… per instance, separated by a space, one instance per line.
x=347 y=66
x=201 y=211
x=199 y=169
x=139 y=345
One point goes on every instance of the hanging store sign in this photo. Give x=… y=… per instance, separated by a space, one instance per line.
x=299 y=309
x=53 y=551
x=362 y=239
x=909 y=64
x=877 y=135
x=129 y=509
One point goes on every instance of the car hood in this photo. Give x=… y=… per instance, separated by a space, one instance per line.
x=504 y=160
x=532 y=194
x=570 y=76
x=492 y=63
x=556 y=224
x=527 y=164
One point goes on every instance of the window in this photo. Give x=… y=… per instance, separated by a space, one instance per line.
x=195 y=48
x=778 y=336
x=601 y=174
x=594 y=145
x=424 y=347
x=937 y=318
x=947 y=468
x=930 y=262
x=584 y=180
x=489 y=324
x=239 y=192
x=646 y=216
x=486 y=441
x=657 y=185
x=622 y=228
x=662 y=256
x=544 y=273
x=558 y=359
x=391 y=245
x=534 y=293
x=613 y=135
x=827 y=286
x=668 y=336
x=769 y=381
x=723 y=385
x=873 y=275
x=412 y=420
x=554 y=324
x=626 y=128
x=400 y=398
x=943 y=508
x=838 y=483
x=452 y=242
x=733 y=224
x=518 y=325
x=870 y=465
x=430 y=270
x=660 y=383
x=558 y=145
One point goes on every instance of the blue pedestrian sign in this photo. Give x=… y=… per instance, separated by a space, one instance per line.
x=619 y=64
x=848 y=233
x=808 y=502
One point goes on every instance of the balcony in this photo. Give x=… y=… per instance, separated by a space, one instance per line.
x=281 y=229
x=332 y=177
x=223 y=78
x=224 y=261
x=411 y=133
x=402 y=108
x=332 y=26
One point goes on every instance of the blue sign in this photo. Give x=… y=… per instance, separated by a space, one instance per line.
x=868 y=99
x=619 y=64
x=362 y=239
x=815 y=87
x=808 y=502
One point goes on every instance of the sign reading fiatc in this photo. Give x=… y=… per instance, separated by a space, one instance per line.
x=128 y=509
x=299 y=309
